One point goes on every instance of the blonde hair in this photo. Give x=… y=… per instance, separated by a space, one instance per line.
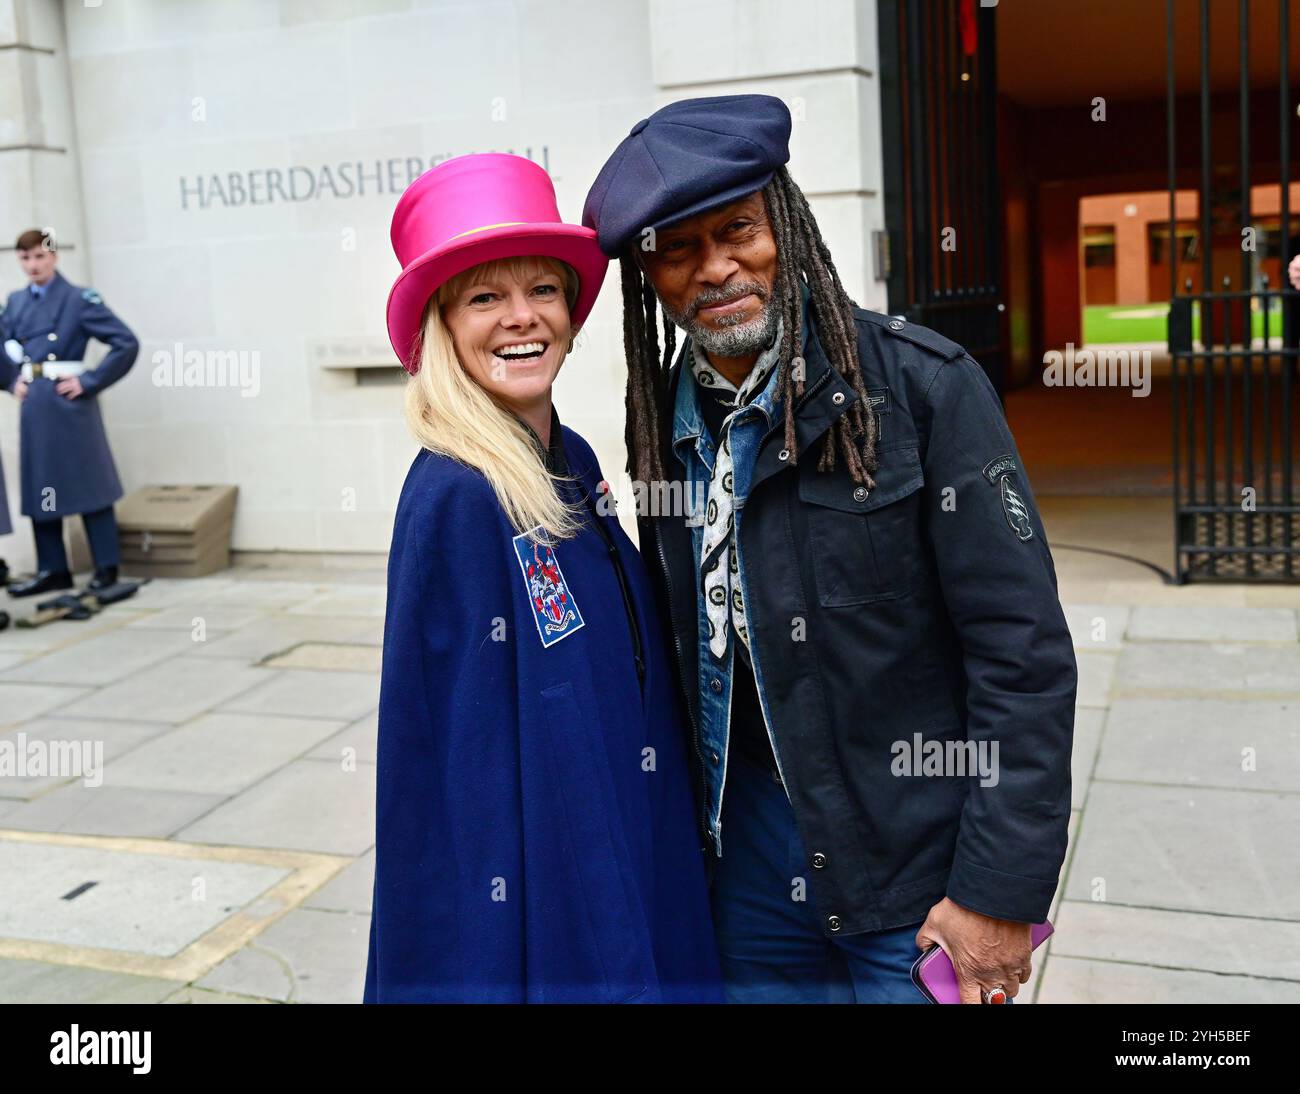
x=449 y=413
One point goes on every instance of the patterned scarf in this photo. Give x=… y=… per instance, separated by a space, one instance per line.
x=718 y=566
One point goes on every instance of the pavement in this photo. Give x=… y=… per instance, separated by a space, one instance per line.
x=216 y=843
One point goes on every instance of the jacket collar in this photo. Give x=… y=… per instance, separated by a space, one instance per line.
x=53 y=290
x=553 y=458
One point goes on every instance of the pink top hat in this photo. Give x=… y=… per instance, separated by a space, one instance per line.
x=475 y=209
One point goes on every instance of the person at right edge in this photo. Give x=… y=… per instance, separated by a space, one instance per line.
x=857 y=578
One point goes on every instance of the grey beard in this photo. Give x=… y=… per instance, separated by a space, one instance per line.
x=738 y=337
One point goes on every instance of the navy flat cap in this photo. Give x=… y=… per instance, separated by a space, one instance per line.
x=685 y=158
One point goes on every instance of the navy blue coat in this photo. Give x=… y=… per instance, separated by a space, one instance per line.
x=62 y=441
x=535 y=835
x=8 y=372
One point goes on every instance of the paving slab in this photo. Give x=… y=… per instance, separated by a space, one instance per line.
x=358 y=742
x=309 y=956
x=1088 y=723
x=136 y=902
x=1096 y=672
x=273 y=634
x=43 y=982
x=311 y=693
x=306 y=805
x=329 y=657
x=64 y=632
x=1250 y=745
x=1187 y=669
x=203 y=995
x=351 y=890
x=101 y=659
x=364 y=600
x=1077 y=980
x=1237 y=945
x=1230 y=852
x=1211 y=623
x=1096 y=626
x=268 y=595
x=111 y=811
x=20 y=702
x=215 y=616
x=171 y=691
x=220 y=753
x=109 y=740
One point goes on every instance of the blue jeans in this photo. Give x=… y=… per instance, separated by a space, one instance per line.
x=770 y=941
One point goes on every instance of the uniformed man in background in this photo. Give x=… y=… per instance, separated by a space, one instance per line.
x=65 y=463
x=8 y=374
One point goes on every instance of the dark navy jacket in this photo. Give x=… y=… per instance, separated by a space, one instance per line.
x=535 y=839
x=922 y=612
x=62 y=444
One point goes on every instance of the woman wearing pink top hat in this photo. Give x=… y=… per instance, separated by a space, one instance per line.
x=536 y=838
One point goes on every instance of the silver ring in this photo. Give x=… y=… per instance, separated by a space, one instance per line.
x=995 y=995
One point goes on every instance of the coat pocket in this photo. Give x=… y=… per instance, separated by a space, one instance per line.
x=609 y=943
x=865 y=544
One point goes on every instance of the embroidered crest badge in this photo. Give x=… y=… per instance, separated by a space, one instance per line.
x=1001 y=473
x=554 y=610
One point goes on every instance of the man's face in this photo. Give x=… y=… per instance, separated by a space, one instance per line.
x=38 y=264
x=715 y=276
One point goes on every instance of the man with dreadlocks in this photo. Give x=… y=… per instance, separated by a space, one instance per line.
x=868 y=634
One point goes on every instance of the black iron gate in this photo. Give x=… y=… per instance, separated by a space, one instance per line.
x=942 y=249
x=1233 y=349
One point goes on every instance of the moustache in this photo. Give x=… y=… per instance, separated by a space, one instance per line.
x=709 y=298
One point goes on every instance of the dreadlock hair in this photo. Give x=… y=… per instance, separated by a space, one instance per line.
x=802 y=257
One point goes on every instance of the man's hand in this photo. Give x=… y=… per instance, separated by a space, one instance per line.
x=1293 y=272
x=20 y=389
x=985 y=952
x=69 y=387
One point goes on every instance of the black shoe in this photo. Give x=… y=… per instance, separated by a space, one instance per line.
x=4 y=572
x=45 y=581
x=105 y=577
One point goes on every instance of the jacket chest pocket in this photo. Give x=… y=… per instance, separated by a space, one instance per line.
x=865 y=544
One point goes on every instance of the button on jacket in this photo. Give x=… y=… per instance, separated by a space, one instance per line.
x=888 y=623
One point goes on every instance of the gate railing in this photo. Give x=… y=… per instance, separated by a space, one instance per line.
x=1235 y=437
x=1233 y=353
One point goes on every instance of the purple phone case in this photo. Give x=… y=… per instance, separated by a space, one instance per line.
x=933 y=973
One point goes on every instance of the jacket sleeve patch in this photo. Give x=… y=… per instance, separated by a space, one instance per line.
x=554 y=610
x=998 y=467
x=1017 y=512
x=1001 y=472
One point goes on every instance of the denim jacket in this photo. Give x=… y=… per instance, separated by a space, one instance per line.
x=695 y=448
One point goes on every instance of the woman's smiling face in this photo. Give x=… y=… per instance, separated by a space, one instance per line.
x=509 y=322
